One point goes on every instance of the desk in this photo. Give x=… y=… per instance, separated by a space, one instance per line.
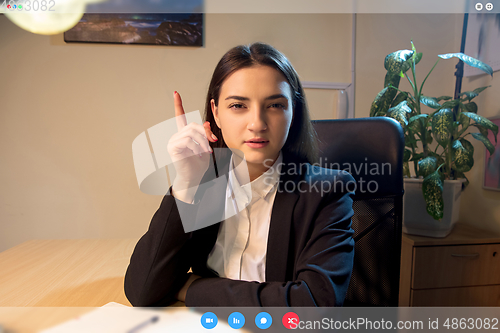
x=33 y=320
x=63 y=273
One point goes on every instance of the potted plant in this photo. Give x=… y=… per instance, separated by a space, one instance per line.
x=437 y=132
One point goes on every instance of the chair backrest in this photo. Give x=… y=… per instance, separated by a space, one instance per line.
x=371 y=149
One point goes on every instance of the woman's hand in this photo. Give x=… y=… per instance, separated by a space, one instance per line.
x=190 y=153
x=181 y=295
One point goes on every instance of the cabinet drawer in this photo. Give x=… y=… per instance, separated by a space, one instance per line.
x=465 y=296
x=456 y=266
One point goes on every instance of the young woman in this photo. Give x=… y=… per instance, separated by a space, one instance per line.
x=284 y=238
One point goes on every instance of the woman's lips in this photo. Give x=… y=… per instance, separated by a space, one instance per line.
x=256 y=144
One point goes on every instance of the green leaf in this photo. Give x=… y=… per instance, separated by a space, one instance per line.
x=408 y=63
x=471 y=107
x=417 y=157
x=428 y=137
x=481 y=129
x=427 y=166
x=394 y=61
x=411 y=104
x=406 y=155
x=469 y=94
x=480 y=90
x=392 y=79
x=440 y=160
x=402 y=96
x=442 y=126
x=467 y=144
x=430 y=102
x=400 y=113
x=484 y=122
x=469 y=61
x=415 y=124
x=484 y=139
x=382 y=101
x=468 y=107
x=432 y=188
x=450 y=104
x=443 y=98
x=462 y=154
x=464 y=121
x=409 y=142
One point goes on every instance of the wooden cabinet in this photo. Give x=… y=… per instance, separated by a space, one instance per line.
x=462 y=269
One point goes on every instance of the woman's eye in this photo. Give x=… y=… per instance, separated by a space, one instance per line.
x=277 y=106
x=236 y=106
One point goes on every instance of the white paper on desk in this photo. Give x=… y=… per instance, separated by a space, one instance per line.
x=123 y=319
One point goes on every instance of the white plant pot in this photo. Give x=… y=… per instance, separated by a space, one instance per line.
x=417 y=221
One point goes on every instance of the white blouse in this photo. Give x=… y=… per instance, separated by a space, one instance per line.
x=240 y=250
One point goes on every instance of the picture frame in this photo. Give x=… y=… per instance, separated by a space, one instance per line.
x=491 y=176
x=179 y=29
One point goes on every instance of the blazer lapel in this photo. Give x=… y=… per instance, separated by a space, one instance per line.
x=278 y=244
x=277 y=266
x=213 y=198
x=212 y=206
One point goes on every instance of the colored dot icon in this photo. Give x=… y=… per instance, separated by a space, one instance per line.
x=209 y=320
x=263 y=320
x=236 y=320
x=290 y=320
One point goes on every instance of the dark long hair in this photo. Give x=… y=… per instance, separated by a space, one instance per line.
x=302 y=138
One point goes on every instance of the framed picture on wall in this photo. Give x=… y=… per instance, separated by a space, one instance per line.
x=492 y=162
x=149 y=29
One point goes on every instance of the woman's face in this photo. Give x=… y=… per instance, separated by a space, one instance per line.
x=255 y=113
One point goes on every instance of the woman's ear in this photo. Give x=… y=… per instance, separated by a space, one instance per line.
x=215 y=112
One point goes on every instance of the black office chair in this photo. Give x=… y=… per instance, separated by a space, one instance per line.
x=372 y=150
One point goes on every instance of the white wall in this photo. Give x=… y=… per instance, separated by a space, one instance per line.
x=69 y=114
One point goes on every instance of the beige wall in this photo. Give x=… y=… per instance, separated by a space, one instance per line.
x=380 y=34
x=479 y=206
x=69 y=114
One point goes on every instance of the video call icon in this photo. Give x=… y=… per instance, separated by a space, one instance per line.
x=209 y=320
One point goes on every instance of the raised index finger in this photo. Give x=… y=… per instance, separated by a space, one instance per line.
x=180 y=116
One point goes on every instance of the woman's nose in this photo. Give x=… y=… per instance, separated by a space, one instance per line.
x=257 y=120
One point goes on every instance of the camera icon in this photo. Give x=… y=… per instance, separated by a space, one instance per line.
x=209 y=320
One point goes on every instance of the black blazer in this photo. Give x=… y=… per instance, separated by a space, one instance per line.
x=309 y=257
